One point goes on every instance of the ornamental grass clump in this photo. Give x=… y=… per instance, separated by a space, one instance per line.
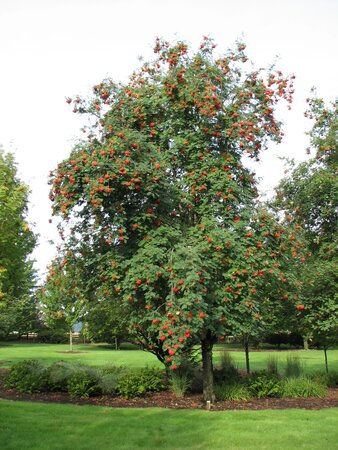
x=272 y=365
x=303 y=387
x=232 y=392
x=179 y=383
x=293 y=366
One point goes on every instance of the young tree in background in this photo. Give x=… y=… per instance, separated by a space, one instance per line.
x=17 y=242
x=159 y=194
x=63 y=298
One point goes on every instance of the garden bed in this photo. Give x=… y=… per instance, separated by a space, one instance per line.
x=166 y=399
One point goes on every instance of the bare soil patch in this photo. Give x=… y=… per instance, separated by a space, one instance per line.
x=166 y=399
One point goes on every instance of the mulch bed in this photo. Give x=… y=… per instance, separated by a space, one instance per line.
x=167 y=399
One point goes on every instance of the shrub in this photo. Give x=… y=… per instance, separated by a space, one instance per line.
x=27 y=376
x=136 y=384
x=228 y=372
x=56 y=336
x=179 y=383
x=232 y=392
x=83 y=383
x=328 y=379
x=261 y=384
x=303 y=387
x=58 y=375
x=293 y=366
x=109 y=378
x=272 y=365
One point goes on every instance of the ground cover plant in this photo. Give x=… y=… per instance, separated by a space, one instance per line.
x=40 y=426
x=79 y=380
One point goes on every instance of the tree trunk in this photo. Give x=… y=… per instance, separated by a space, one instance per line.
x=247 y=359
x=326 y=364
x=70 y=340
x=306 y=343
x=208 y=376
x=116 y=344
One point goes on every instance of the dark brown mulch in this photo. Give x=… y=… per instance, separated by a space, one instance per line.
x=167 y=399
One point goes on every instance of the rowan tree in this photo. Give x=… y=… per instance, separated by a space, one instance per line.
x=159 y=195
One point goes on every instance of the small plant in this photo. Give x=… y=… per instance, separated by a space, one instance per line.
x=179 y=383
x=261 y=385
x=303 y=387
x=109 y=378
x=232 y=392
x=293 y=366
x=83 y=383
x=272 y=365
x=228 y=372
x=328 y=379
x=58 y=375
x=27 y=376
x=137 y=384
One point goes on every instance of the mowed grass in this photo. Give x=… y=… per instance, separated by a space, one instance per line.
x=38 y=426
x=99 y=354
x=91 y=354
x=311 y=360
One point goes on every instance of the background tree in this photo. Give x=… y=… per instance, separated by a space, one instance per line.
x=17 y=241
x=310 y=194
x=62 y=297
x=159 y=192
x=107 y=321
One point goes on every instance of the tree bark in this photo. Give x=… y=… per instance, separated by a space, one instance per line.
x=247 y=359
x=70 y=340
x=306 y=343
x=208 y=375
x=326 y=364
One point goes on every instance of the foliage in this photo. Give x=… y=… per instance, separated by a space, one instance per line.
x=106 y=322
x=110 y=377
x=288 y=339
x=159 y=203
x=310 y=193
x=303 y=387
x=272 y=365
x=293 y=367
x=27 y=376
x=83 y=382
x=328 y=379
x=52 y=335
x=62 y=297
x=179 y=383
x=262 y=384
x=58 y=375
x=228 y=372
x=17 y=241
x=137 y=384
x=232 y=392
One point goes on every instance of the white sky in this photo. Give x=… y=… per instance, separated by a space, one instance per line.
x=51 y=49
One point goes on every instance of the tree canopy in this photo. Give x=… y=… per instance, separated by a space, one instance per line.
x=160 y=205
x=17 y=241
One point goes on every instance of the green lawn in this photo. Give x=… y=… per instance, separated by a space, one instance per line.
x=28 y=426
x=96 y=354
x=92 y=354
